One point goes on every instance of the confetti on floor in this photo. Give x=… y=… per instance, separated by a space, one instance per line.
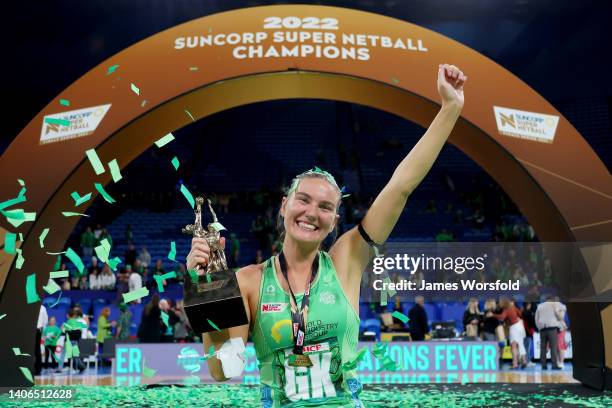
x=388 y=396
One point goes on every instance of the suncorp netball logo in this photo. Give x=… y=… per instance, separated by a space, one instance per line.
x=72 y=124
x=526 y=125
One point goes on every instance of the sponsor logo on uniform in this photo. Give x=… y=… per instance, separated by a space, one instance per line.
x=327 y=298
x=300 y=338
x=72 y=124
x=316 y=348
x=534 y=126
x=273 y=307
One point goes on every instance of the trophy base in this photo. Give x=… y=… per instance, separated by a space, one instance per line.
x=218 y=301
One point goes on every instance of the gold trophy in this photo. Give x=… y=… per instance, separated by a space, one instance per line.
x=213 y=296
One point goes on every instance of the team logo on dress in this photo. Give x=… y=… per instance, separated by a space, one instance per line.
x=273 y=307
x=270 y=289
x=327 y=279
x=327 y=298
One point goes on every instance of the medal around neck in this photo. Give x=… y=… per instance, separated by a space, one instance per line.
x=299 y=360
x=215 y=295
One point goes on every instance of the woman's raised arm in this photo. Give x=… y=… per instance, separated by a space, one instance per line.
x=386 y=209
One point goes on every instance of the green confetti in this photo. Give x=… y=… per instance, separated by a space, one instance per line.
x=68 y=345
x=20 y=260
x=31 y=294
x=380 y=349
x=383 y=297
x=41 y=238
x=104 y=194
x=400 y=316
x=143 y=103
x=18 y=352
x=51 y=287
x=164 y=140
x=190 y=115
x=112 y=263
x=19 y=199
x=59 y=274
x=193 y=274
x=16 y=214
x=148 y=372
x=103 y=250
x=55 y=253
x=2 y=316
x=165 y=317
x=27 y=217
x=208 y=278
x=172 y=253
x=388 y=364
x=112 y=69
x=352 y=364
x=214 y=326
x=135 y=294
x=395 y=80
x=78 y=200
x=55 y=121
x=9 y=243
x=114 y=169
x=135 y=89
x=73 y=214
x=390 y=292
x=217 y=226
x=187 y=195
x=95 y=161
x=75 y=259
x=159 y=279
x=193 y=68
x=27 y=374
x=20 y=237
x=175 y=163
x=64 y=102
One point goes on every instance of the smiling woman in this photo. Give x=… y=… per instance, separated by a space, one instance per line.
x=310 y=362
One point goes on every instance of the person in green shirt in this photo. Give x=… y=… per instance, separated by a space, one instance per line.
x=104 y=328
x=50 y=335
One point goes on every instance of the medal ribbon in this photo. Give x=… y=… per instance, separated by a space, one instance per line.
x=299 y=316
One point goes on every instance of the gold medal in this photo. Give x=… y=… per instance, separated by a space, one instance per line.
x=299 y=360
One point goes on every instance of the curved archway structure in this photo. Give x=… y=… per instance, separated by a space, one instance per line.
x=163 y=83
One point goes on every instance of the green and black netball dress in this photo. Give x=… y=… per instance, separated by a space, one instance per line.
x=332 y=330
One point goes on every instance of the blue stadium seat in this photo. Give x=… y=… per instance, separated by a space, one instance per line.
x=452 y=311
x=432 y=312
x=373 y=325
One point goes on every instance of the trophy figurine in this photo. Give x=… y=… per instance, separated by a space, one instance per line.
x=212 y=296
